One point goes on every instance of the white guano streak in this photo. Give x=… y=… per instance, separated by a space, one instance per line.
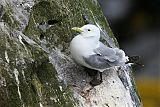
x=6 y=56
x=20 y=40
x=40 y=104
x=16 y=73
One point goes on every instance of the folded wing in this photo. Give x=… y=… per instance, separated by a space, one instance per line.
x=106 y=57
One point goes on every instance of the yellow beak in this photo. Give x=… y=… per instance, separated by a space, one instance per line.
x=77 y=29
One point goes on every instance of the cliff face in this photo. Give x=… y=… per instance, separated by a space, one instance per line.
x=35 y=65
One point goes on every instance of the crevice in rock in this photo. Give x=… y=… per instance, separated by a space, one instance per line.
x=52 y=22
x=41 y=36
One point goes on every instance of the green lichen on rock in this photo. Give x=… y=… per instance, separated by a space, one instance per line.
x=36 y=75
x=59 y=34
x=45 y=83
x=9 y=18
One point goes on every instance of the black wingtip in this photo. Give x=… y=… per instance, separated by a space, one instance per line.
x=135 y=60
x=139 y=64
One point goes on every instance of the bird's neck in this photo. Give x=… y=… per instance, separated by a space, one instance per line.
x=93 y=41
x=92 y=38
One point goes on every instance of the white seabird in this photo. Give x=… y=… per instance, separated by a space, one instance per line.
x=87 y=50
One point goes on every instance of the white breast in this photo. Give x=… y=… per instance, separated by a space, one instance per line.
x=80 y=48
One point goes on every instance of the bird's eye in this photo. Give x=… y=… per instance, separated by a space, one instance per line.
x=89 y=29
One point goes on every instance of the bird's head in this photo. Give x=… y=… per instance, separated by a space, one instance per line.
x=88 y=31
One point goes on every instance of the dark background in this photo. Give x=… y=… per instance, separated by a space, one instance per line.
x=136 y=25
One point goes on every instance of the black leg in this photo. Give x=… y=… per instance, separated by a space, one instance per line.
x=101 y=77
x=96 y=81
x=91 y=72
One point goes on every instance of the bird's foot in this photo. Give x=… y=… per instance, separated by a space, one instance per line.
x=95 y=82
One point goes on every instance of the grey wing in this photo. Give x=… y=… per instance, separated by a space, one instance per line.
x=96 y=61
x=104 y=57
x=107 y=53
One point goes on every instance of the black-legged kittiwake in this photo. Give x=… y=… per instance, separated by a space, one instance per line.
x=87 y=50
